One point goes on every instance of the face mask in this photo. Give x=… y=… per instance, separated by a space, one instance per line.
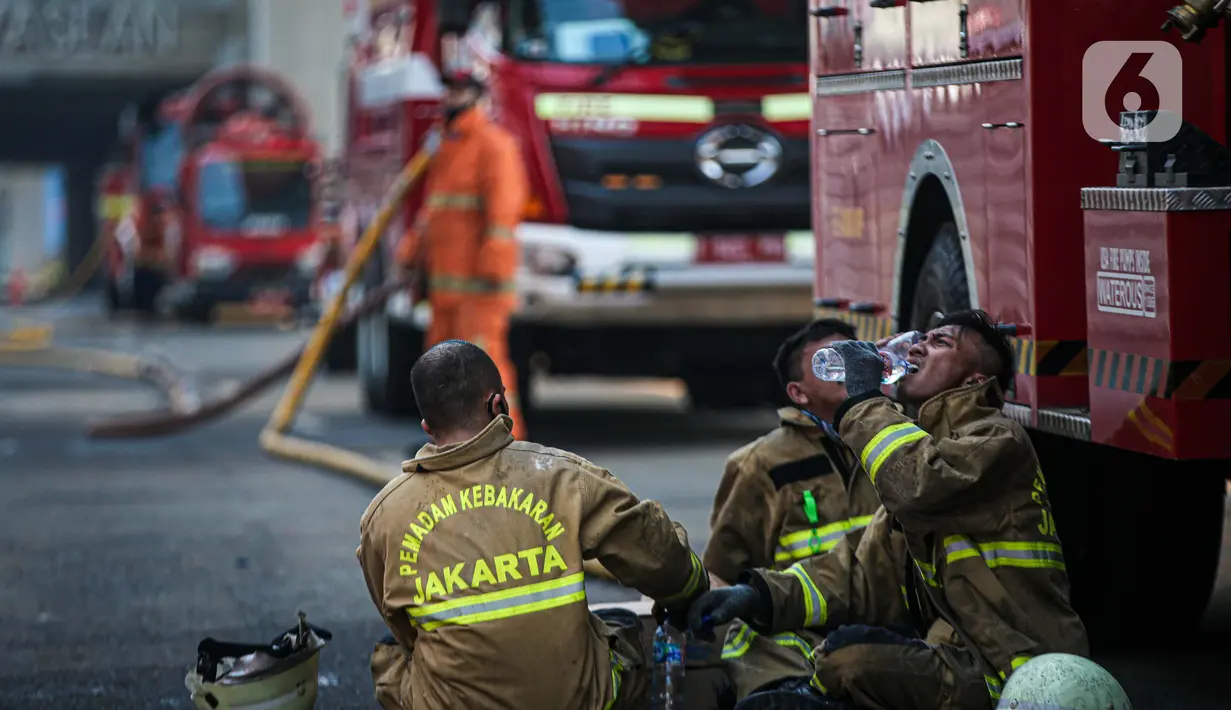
x=452 y=112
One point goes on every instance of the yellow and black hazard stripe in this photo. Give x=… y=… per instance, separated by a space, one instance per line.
x=1050 y=358
x=632 y=282
x=1166 y=379
x=868 y=326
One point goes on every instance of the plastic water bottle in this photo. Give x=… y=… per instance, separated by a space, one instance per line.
x=668 y=692
x=827 y=364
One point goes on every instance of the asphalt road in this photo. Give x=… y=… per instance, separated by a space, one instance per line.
x=118 y=557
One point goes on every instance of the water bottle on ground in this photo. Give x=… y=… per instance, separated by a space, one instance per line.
x=827 y=364
x=668 y=689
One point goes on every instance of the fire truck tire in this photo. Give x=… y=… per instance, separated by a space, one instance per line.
x=386 y=385
x=147 y=283
x=342 y=355
x=111 y=299
x=1120 y=516
x=941 y=285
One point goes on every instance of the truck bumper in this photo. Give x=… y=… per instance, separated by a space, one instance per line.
x=245 y=285
x=573 y=277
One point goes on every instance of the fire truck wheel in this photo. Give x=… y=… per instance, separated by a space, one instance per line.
x=941 y=285
x=112 y=298
x=341 y=355
x=1122 y=519
x=386 y=389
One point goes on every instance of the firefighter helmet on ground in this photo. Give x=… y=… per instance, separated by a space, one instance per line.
x=1061 y=681
x=281 y=675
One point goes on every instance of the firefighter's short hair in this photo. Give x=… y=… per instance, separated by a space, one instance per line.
x=786 y=360
x=995 y=351
x=452 y=382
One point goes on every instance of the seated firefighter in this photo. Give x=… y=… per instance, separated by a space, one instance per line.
x=785 y=497
x=959 y=579
x=474 y=558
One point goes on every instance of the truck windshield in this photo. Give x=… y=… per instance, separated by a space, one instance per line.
x=659 y=31
x=255 y=196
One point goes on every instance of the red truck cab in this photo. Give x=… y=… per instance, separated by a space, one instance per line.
x=234 y=163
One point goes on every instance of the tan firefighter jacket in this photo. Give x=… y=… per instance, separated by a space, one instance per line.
x=787 y=496
x=963 y=487
x=474 y=554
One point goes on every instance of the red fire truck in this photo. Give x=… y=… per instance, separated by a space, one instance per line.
x=220 y=178
x=954 y=167
x=668 y=233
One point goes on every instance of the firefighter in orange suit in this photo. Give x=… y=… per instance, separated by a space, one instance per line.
x=463 y=236
x=473 y=557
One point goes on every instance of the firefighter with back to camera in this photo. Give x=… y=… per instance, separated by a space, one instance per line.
x=787 y=496
x=978 y=588
x=474 y=558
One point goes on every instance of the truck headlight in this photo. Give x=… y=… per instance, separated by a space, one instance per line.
x=544 y=260
x=213 y=262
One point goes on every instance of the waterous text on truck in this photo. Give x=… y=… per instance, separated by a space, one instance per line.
x=668 y=232
x=230 y=163
x=952 y=169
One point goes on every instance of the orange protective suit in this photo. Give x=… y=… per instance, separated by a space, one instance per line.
x=464 y=238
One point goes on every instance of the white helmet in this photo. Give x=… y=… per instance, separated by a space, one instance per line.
x=1061 y=681
x=278 y=676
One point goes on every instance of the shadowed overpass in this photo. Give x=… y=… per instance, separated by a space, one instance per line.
x=68 y=69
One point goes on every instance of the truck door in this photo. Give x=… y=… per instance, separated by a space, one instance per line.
x=859 y=60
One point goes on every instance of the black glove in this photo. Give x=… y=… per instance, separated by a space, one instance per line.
x=720 y=606
x=865 y=368
x=676 y=616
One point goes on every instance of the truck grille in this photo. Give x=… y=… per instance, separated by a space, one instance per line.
x=680 y=197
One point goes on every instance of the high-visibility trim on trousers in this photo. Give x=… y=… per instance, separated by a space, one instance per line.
x=477 y=608
x=806 y=543
x=816 y=611
x=694 y=581
x=499 y=232
x=887 y=441
x=1033 y=555
x=617 y=677
x=442 y=283
x=742 y=641
x=928 y=572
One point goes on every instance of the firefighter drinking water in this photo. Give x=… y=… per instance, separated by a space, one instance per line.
x=473 y=556
x=960 y=578
x=787 y=496
x=463 y=237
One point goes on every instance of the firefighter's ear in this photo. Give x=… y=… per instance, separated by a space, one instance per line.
x=796 y=392
x=496 y=405
x=976 y=379
x=427 y=429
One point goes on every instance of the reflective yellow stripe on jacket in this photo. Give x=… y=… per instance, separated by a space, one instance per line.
x=889 y=440
x=454 y=201
x=477 y=608
x=1035 y=555
x=694 y=581
x=816 y=611
x=742 y=641
x=806 y=543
